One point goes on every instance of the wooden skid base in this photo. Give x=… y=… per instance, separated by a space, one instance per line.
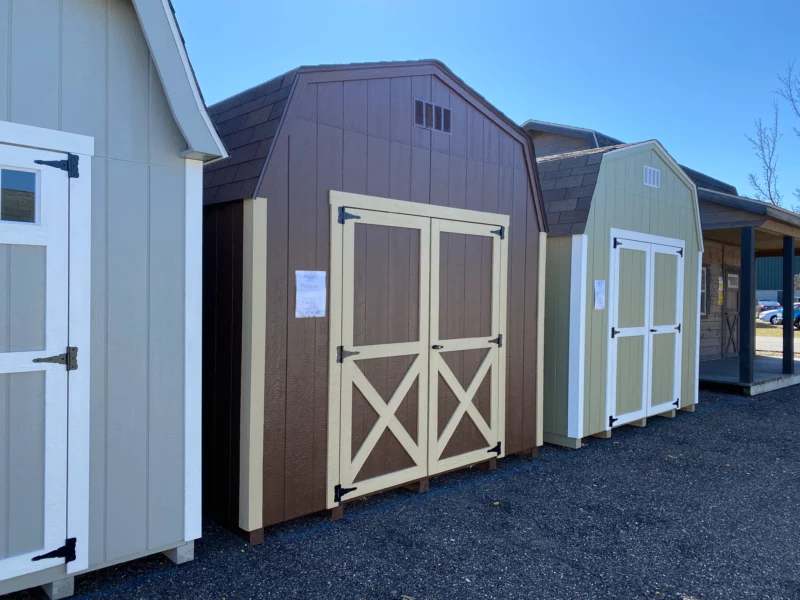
x=638 y=423
x=63 y=588
x=670 y=414
x=181 y=554
x=489 y=465
x=336 y=513
x=603 y=435
x=529 y=453
x=255 y=538
x=689 y=408
x=422 y=486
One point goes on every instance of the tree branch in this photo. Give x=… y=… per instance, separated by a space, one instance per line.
x=765 y=145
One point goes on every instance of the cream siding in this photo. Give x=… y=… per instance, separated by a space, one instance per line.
x=621 y=200
x=84 y=66
x=556 y=336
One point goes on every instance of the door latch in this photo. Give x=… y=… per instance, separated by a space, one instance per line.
x=437 y=347
x=69 y=358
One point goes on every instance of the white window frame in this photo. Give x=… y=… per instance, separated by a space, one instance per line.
x=80 y=214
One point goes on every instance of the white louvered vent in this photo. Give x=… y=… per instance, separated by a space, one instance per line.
x=652 y=177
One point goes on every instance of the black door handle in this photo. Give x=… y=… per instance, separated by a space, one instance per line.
x=653 y=330
x=437 y=347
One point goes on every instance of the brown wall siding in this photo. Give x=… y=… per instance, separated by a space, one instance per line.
x=357 y=136
x=716 y=257
x=222 y=353
x=547 y=144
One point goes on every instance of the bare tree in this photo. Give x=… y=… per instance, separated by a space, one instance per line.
x=790 y=91
x=765 y=144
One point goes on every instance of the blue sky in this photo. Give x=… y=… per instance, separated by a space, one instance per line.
x=693 y=74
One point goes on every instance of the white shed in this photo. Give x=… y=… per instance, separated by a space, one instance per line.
x=103 y=136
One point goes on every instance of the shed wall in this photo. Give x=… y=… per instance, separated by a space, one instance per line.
x=716 y=257
x=357 y=136
x=621 y=200
x=556 y=334
x=83 y=66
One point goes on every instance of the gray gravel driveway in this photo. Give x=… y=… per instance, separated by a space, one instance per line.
x=706 y=505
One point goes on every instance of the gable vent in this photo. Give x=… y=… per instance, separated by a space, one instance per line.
x=652 y=177
x=432 y=116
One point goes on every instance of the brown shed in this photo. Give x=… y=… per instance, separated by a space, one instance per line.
x=373 y=260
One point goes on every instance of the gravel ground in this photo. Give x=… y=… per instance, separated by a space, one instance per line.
x=701 y=506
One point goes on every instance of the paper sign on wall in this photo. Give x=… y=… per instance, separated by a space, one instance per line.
x=311 y=294
x=599 y=294
x=720 y=292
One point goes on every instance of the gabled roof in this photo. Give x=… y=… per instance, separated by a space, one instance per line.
x=250 y=123
x=166 y=43
x=600 y=140
x=568 y=182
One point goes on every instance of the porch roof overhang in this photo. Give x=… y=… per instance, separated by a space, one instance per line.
x=723 y=216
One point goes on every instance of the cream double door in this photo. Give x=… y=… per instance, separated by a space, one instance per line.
x=645 y=311
x=416 y=345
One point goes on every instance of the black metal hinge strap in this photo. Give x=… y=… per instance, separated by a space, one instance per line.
x=611 y=420
x=344 y=215
x=677 y=403
x=339 y=491
x=70 y=165
x=617 y=243
x=500 y=232
x=498 y=340
x=69 y=358
x=614 y=332
x=680 y=251
x=498 y=449
x=678 y=328
x=341 y=354
x=67 y=552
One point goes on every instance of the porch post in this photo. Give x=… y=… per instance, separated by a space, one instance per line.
x=747 y=307
x=788 y=305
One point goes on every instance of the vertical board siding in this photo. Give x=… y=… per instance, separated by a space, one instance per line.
x=362 y=140
x=556 y=334
x=83 y=66
x=621 y=200
x=222 y=329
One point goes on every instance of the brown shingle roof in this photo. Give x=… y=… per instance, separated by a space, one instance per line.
x=248 y=123
x=568 y=181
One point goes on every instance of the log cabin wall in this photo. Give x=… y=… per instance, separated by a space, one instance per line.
x=716 y=257
x=352 y=130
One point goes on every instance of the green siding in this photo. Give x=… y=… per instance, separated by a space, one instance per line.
x=621 y=200
x=632 y=273
x=556 y=334
x=630 y=370
x=769 y=272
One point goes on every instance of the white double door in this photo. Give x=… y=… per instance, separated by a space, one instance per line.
x=645 y=329
x=34 y=254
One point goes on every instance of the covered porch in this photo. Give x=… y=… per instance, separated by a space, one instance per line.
x=750 y=229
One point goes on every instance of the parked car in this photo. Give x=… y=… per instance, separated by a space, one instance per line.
x=766 y=305
x=775 y=317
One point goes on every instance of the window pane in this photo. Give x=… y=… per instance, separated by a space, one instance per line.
x=428 y=115
x=438 y=120
x=419 y=108
x=17 y=196
x=446 y=127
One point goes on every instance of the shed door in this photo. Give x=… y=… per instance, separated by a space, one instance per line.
x=384 y=387
x=730 y=321
x=666 y=329
x=467 y=328
x=33 y=325
x=629 y=346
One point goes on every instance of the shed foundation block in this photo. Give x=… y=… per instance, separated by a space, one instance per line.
x=336 y=513
x=181 y=554
x=63 y=588
x=255 y=537
x=670 y=414
x=689 y=408
x=489 y=465
x=422 y=486
x=639 y=423
x=603 y=435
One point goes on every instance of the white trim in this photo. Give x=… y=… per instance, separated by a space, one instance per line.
x=193 y=363
x=697 y=331
x=177 y=78
x=646 y=238
x=46 y=139
x=577 y=335
x=540 y=310
x=79 y=381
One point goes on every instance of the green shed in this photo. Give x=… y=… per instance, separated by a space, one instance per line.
x=622 y=289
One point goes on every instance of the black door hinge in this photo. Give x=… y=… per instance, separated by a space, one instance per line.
x=498 y=340
x=611 y=421
x=339 y=491
x=500 y=232
x=680 y=251
x=617 y=243
x=498 y=449
x=678 y=328
x=341 y=354
x=67 y=552
x=677 y=403
x=69 y=358
x=614 y=332
x=344 y=215
x=70 y=165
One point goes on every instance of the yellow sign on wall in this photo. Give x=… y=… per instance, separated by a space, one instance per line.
x=719 y=292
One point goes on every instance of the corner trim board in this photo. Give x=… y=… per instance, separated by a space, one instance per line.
x=254 y=348
x=193 y=362
x=540 y=341
x=697 y=331
x=577 y=335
